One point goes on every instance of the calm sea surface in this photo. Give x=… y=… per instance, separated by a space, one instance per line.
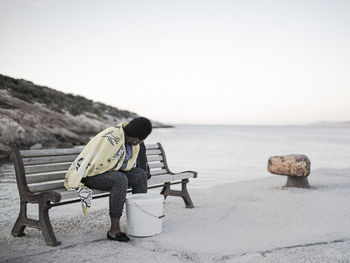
x=226 y=154
x=223 y=154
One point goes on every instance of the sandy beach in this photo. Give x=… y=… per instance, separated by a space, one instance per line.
x=253 y=221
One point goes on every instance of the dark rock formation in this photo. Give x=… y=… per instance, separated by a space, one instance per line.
x=35 y=115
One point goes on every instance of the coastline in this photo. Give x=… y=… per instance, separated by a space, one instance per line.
x=253 y=221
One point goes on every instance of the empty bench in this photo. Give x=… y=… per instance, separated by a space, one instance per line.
x=40 y=177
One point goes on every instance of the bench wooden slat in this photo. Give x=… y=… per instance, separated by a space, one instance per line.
x=45 y=177
x=48 y=160
x=47 y=168
x=63 y=159
x=159 y=179
x=151 y=149
x=151 y=146
x=52 y=174
x=154 y=158
x=50 y=152
x=73 y=195
x=40 y=156
x=153 y=152
x=54 y=185
x=158 y=171
x=156 y=165
x=164 y=178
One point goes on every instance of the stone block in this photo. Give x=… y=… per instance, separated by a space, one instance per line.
x=290 y=165
x=296 y=166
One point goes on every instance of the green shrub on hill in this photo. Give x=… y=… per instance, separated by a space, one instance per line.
x=56 y=100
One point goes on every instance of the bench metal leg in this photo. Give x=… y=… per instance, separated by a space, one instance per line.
x=166 y=191
x=45 y=225
x=18 y=228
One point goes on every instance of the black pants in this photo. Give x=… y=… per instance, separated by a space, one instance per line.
x=117 y=183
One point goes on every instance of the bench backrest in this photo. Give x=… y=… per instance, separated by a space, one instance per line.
x=45 y=169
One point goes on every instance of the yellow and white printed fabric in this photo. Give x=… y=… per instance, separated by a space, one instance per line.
x=105 y=152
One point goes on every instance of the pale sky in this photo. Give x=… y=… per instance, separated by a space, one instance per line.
x=202 y=62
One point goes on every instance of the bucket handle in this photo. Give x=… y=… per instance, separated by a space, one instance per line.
x=148 y=212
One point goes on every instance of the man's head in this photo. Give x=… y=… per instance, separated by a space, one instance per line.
x=137 y=130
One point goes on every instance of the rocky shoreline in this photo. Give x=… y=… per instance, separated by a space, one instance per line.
x=33 y=116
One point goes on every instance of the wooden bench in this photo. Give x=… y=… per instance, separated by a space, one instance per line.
x=40 y=176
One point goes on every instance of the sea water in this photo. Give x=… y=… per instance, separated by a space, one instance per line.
x=224 y=154
x=227 y=154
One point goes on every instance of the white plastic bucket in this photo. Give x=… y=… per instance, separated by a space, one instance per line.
x=144 y=214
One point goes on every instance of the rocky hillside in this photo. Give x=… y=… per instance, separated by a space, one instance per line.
x=33 y=116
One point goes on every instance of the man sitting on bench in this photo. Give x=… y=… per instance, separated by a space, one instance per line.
x=113 y=160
